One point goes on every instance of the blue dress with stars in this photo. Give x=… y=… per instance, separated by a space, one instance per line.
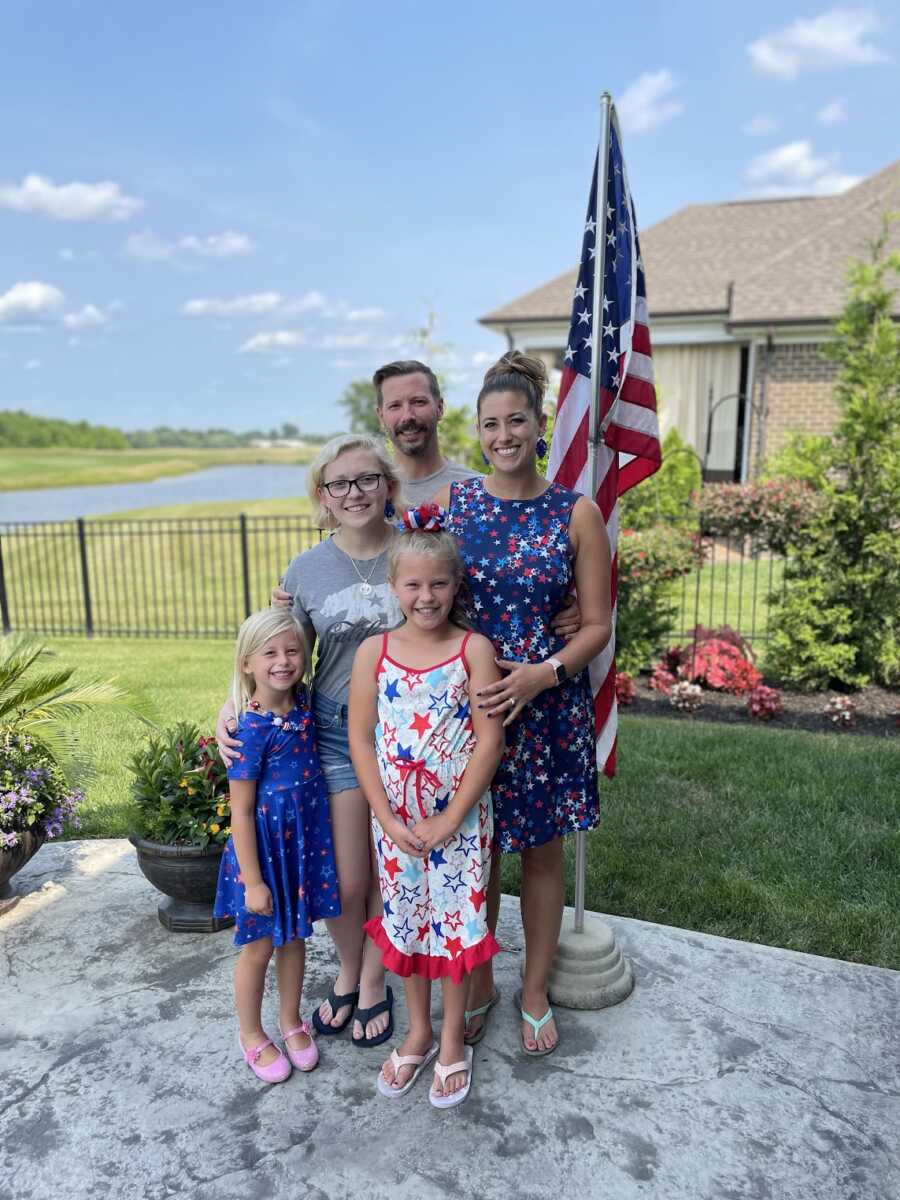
x=435 y=909
x=293 y=830
x=519 y=569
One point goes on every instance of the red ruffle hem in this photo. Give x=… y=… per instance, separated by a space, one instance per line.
x=427 y=965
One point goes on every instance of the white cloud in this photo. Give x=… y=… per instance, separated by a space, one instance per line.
x=648 y=102
x=217 y=245
x=67 y=255
x=836 y=38
x=482 y=358
x=760 y=125
x=148 y=247
x=372 y=313
x=344 y=341
x=26 y=303
x=265 y=343
x=832 y=112
x=240 y=306
x=70 y=201
x=86 y=317
x=32 y=364
x=793 y=169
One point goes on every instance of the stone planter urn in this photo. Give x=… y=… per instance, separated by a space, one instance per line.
x=187 y=877
x=13 y=859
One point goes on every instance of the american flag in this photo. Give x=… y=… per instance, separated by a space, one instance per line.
x=630 y=449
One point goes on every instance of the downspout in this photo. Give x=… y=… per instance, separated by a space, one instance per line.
x=749 y=389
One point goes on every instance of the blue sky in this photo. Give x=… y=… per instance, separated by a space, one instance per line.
x=219 y=214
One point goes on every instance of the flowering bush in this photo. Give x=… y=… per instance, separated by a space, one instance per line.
x=180 y=788
x=841 y=711
x=625 y=688
x=774 y=514
x=648 y=561
x=686 y=697
x=34 y=793
x=764 y=703
x=662 y=679
x=720 y=666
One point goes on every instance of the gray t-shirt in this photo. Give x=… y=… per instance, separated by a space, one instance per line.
x=327 y=595
x=420 y=491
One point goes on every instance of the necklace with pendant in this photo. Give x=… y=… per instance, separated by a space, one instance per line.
x=364 y=586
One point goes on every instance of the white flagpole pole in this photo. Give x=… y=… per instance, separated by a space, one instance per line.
x=594 y=431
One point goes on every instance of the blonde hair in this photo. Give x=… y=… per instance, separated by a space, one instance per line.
x=439 y=544
x=334 y=449
x=252 y=636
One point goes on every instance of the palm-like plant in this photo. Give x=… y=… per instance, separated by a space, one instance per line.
x=42 y=702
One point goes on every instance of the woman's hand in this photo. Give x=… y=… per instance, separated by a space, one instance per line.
x=405 y=838
x=258 y=899
x=280 y=598
x=508 y=697
x=225 y=726
x=434 y=831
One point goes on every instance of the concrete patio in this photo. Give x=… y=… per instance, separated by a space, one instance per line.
x=733 y=1071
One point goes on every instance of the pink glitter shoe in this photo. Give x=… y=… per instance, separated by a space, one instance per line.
x=306 y=1058
x=273 y=1072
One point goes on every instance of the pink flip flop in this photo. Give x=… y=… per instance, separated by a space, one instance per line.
x=273 y=1072
x=307 y=1057
x=443 y=1074
x=419 y=1061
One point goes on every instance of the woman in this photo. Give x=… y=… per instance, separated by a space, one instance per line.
x=341 y=596
x=524 y=542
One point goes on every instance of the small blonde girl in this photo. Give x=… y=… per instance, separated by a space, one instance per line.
x=278 y=872
x=425 y=759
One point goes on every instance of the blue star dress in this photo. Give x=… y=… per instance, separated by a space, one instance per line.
x=293 y=829
x=519 y=570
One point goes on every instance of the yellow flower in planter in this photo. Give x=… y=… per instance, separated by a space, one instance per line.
x=228 y=831
x=182 y=783
x=192 y=791
x=214 y=828
x=220 y=810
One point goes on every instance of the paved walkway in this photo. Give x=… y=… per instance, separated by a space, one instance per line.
x=734 y=1071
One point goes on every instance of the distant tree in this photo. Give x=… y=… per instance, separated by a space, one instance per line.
x=458 y=438
x=289 y=430
x=358 y=402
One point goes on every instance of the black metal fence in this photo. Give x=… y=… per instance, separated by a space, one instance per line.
x=200 y=576
x=195 y=576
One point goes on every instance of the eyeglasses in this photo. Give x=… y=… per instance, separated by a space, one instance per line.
x=340 y=488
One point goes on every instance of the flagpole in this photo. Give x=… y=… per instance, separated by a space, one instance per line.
x=594 y=434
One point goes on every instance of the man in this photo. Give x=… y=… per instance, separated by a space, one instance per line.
x=409 y=407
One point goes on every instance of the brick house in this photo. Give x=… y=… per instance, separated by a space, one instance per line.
x=742 y=295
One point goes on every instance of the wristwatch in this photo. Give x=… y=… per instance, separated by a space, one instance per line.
x=559 y=670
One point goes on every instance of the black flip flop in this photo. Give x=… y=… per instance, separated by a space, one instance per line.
x=337 y=1003
x=365 y=1015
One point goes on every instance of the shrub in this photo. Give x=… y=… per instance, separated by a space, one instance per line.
x=804 y=456
x=720 y=666
x=662 y=679
x=669 y=497
x=841 y=711
x=625 y=689
x=838 y=621
x=34 y=793
x=686 y=697
x=764 y=703
x=776 y=515
x=648 y=561
x=180 y=788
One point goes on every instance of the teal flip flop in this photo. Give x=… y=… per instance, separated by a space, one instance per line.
x=475 y=1038
x=537 y=1026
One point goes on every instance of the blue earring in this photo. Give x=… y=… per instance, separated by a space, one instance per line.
x=389 y=510
x=541 y=447
x=485 y=459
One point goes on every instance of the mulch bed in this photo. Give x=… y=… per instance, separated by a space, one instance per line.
x=876 y=710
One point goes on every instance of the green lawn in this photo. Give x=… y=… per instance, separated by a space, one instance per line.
x=727 y=591
x=786 y=838
x=58 y=466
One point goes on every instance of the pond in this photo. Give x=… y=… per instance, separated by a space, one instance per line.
x=246 y=481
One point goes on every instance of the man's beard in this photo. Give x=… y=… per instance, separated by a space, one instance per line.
x=419 y=448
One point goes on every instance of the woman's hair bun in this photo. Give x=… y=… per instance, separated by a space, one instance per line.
x=514 y=362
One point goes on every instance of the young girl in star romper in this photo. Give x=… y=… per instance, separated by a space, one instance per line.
x=425 y=760
x=278 y=873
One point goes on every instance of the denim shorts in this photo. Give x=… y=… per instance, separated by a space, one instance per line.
x=331 y=740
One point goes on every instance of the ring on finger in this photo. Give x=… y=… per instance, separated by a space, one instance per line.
x=510 y=703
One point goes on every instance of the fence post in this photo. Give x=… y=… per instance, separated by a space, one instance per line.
x=4 y=603
x=85 y=580
x=245 y=564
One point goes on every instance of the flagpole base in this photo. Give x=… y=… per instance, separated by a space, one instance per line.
x=589 y=970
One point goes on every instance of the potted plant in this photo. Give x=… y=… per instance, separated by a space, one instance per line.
x=180 y=795
x=39 y=762
x=36 y=801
